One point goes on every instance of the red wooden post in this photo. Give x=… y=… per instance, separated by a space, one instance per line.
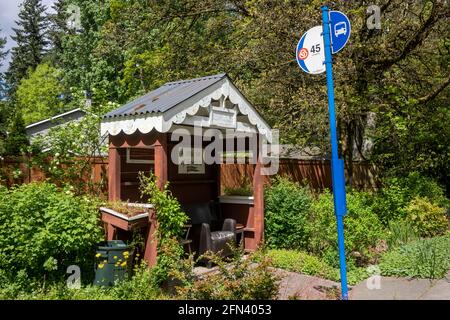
x=258 y=203
x=151 y=244
x=114 y=174
x=111 y=232
x=161 y=163
x=161 y=174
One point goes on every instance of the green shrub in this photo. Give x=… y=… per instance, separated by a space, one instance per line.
x=400 y=232
x=140 y=286
x=425 y=187
x=170 y=263
x=428 y=220
x=287 y=207
x=363 y=229
x=425 y=258
x=389 y=203
x=43 y=230
x=396 y=193
x=171 y=219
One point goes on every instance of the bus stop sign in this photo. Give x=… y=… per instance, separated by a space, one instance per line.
x=339 y=30
x=310 y=51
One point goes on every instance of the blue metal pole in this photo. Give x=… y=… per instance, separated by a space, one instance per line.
x=335 y=166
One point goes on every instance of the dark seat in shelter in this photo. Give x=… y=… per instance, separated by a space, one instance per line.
x=206 y=219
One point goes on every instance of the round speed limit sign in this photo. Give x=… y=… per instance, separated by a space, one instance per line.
x=310 y=51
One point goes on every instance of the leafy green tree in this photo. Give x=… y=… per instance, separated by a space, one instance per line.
x=17 y=141
x=3 y=118
x=382 y=75
x=31 y=41
x=127 y=47
x=40 y=94
x=144 y=72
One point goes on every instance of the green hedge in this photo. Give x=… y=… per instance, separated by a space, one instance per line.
x=287 y=208
x=44 y=229
x=296 y=219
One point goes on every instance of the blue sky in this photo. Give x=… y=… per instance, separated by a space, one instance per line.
x=9 y=9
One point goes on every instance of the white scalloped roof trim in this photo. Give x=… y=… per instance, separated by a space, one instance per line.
x=162 y=122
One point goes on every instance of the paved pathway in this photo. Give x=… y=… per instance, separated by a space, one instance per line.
x=403 y=289
x=302 y=287
x=298 y=286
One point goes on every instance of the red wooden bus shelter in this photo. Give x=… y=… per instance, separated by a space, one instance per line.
x=145 y=134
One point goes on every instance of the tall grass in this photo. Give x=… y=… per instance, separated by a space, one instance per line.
x=400 y=233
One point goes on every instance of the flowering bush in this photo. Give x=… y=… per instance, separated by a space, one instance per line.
x=73 y=147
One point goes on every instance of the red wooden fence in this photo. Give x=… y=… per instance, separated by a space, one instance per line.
x=316 y=173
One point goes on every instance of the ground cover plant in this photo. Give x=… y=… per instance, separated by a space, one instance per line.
x=423 y=258
x=305 y=263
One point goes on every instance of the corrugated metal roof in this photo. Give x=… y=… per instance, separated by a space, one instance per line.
x=166 y=96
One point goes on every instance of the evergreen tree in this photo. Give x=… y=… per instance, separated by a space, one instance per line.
x=17 y=139
x=30 y=36
x=2 y=48
x=3 y=54
x=58 y=28
x=3 y=123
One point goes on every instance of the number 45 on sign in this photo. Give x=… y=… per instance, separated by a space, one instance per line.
x=310 y=48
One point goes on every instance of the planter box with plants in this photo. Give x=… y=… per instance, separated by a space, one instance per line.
x=125 y=216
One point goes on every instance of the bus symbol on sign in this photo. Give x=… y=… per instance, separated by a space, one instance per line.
x=340 y=28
